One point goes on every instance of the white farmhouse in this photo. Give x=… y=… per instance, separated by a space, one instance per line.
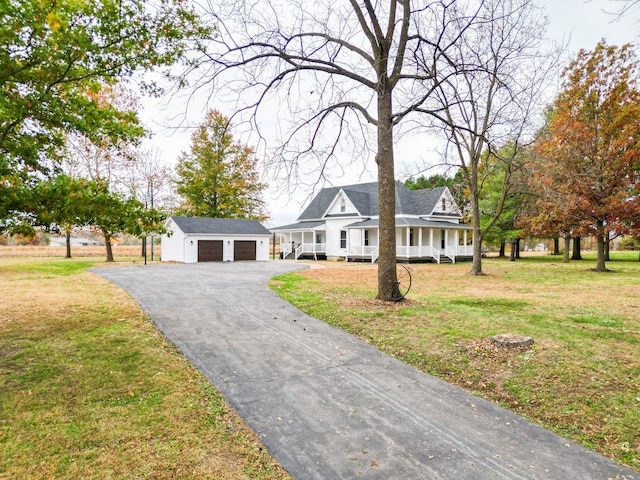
x=196 y=239
x=342 y=222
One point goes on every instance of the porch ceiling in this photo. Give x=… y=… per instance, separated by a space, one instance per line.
x=412 y=222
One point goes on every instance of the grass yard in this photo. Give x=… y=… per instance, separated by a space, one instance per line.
x=580 y=379
x=89 y=389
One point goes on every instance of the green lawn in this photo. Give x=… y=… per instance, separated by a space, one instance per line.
x=90 y=389
x=580 y=379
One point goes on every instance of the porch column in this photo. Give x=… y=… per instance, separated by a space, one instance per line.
x=346 y=257
x=362 y=242
x=408 y=240
x=456 y=241
x=431 y=239
x=446 y=239
x=420 y=242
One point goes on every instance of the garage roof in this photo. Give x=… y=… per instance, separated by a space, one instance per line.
x=224 y=226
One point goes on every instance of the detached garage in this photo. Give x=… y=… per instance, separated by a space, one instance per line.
x=194 y=239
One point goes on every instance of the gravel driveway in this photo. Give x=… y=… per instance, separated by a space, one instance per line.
x=329 y=406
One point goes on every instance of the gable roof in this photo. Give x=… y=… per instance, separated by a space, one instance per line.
x=222 y=226
x=364 y=197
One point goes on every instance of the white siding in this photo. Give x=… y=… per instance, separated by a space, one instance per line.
x=334 y=226
x=172 y=246
x=191 y=246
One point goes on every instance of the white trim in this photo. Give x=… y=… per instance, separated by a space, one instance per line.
x=342 y=196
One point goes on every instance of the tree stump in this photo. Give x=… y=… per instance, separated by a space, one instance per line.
x=509 y=340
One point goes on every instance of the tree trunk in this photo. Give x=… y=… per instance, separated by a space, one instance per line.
x=387 y=277
x=517 y=245
x=567 y=246
x=107 y=242
x=576 y=249
x=600 y=261
x=67 y=235
x=503 y=243
x=556 y=246
x=144 y=246
x=476 y=267
x=607 y=249
x=512 y=253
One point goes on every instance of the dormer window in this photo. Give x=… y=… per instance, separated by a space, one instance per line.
x=444 y=205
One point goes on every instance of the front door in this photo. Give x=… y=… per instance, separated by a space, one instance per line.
x=443 y=239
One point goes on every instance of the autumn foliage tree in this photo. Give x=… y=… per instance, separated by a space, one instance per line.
x=587 y=172
x=219 y=178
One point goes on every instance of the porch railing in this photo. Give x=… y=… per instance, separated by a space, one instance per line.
x=432 y=252
x=313 y=248
x=285 y=249
x=362 y=250
x=450 y=253
x=403 y=251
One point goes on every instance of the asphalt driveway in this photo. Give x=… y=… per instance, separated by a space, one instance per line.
x=329 y=406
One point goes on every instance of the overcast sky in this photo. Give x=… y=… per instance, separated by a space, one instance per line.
x=581 y=23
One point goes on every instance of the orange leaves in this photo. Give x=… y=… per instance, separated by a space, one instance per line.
x=585 y=171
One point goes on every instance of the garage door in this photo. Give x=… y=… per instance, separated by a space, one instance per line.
x=244 y=250
x=209 y=250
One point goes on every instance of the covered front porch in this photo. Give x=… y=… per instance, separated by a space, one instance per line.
x=300 y=241
x=417 y=240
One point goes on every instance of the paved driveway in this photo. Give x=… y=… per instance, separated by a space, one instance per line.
x=329 y=406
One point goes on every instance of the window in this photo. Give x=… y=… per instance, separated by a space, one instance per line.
x=412 y=241
x=444 y=205
x=318 y=237
x=343 y=239
x=366 y=238
x=343 y=207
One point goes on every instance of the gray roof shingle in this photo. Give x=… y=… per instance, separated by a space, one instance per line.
x=300 y=226
x=364 y=197
x=223 y=226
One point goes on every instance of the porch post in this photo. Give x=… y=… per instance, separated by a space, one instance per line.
x=362 y=241
x=408 y=241
x=456 y=240
x=420 y=242
x=431 y=238
x=346 y=257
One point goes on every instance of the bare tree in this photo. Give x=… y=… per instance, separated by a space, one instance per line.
x=340 y=68
x=625 y=7
x=106 y=160
x=489 y=90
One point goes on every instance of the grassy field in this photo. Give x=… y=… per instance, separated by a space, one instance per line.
x=124 y=252
x=580 y=379
x=89 y=389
